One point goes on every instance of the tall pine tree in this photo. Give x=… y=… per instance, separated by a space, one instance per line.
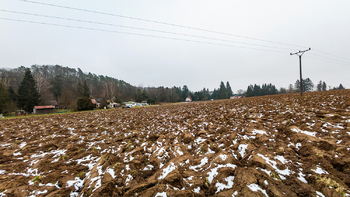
x=28 y=95
x=84 y=101
x=4 y=98
x=222 y=91
x=228 y=90
x=57 y=86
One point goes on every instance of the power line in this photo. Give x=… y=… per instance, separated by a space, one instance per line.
x=327 y=58
x=138 y=28
x=332 y=55
x=157 y=22
x=176 y=25
x=327 y=61
x=138 y=34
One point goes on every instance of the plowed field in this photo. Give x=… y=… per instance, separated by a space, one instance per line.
x=265 y=146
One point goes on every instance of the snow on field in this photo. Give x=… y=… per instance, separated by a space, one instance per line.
x=304 y=132
x=167 y=170
x=221 y=186
x=223 y=147
x=254 y=187
x=242 y=148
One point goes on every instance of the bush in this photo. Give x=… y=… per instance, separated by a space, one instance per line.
x=84 y=103
x=151 y=101
x=103 y=103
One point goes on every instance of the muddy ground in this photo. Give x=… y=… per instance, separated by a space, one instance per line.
x=265 y=146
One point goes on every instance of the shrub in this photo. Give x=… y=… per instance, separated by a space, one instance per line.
x=84 y=103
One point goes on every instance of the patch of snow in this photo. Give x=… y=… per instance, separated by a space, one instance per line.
x=301 y=177
x=223 y=157
x=98 y=184
x=77 y=182
x=255 y=131
x=221 y=186
x=281 y=159
x=274 y=165
x=266 y=183
x=254 y=187
x=304 y=132
x=2 y=171
x=319 y=170
x=179 y=151
x=234 y=194
x=209 y=151
x=16 y=154
x=242 y=148
x=320 y=194
x=234 y=141
x=199 y=140
x=22 y=144
x=52 y=185
x=163 y=194
x=167 y=170
x=148 y=167
x=203 y=162
x=214 y=171
x=111 y=172
x=196 y=190
x=128 y=179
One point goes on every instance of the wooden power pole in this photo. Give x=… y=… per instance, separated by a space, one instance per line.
x=300 y=53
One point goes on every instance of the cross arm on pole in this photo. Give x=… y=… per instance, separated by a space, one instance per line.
x=300 y=53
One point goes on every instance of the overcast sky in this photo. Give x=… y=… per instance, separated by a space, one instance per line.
x=238 y=56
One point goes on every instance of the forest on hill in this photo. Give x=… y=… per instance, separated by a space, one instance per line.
x=60 y=85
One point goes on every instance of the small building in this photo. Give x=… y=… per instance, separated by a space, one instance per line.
x=113 y=104
x=130 y=104
x=20 y=113
x=94 y=102
x=47 y=109
x=188 y=99
x=235 y=97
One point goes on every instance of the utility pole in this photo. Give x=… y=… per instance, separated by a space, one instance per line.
x=300 y=53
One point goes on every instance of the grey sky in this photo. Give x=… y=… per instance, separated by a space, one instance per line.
x=321 y=25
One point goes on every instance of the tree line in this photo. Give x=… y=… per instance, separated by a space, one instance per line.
x=63 y=86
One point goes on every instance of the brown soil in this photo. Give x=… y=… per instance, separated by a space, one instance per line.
x=265 y=146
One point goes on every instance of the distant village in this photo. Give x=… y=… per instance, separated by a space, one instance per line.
x=49 y=109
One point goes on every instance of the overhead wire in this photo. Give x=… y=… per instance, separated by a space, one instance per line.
x=138 y=34
x=144 y=29
x=158 y=22
x=337 y=56
x=172 y=24
x=326 y=60
x=330 y=59
x=175 y=25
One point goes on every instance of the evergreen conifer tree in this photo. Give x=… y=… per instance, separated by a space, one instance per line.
x=84 y=101
x=222 y=90
x=12 y=94
x=319 y=86
x=28 y=95
x=57 y=86
x=4 y=98
x=324 y=86
x=228 y=90
x=86 y=91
